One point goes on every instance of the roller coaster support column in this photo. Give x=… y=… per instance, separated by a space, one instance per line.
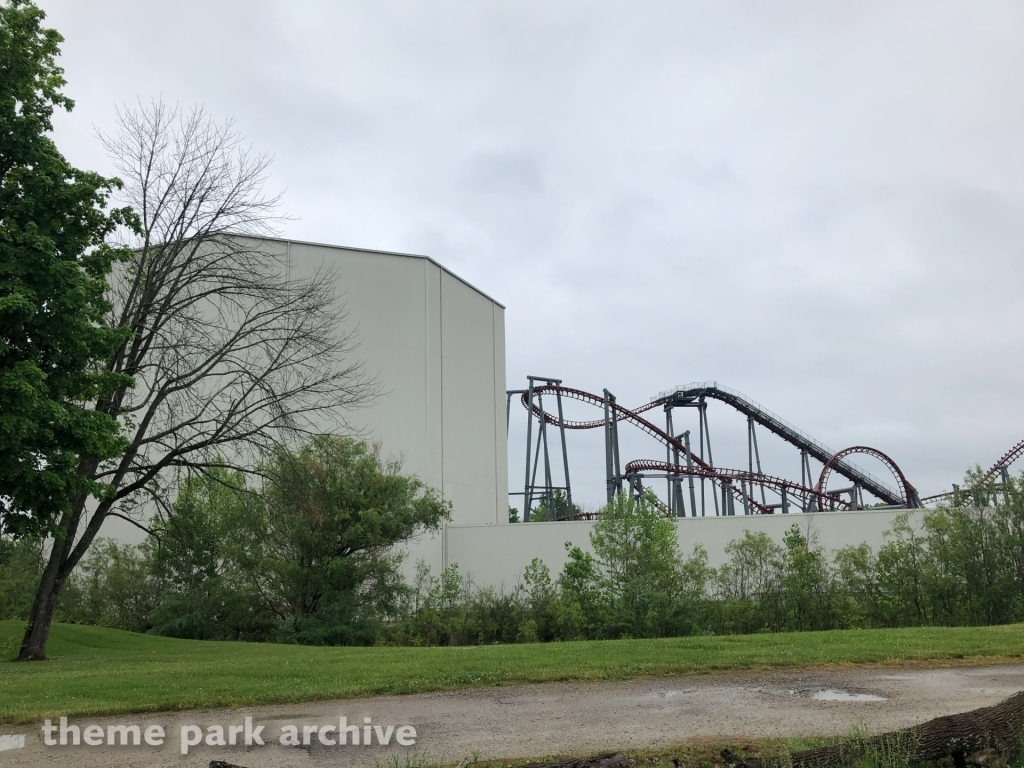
x=530 y=486
x=805 y=479
x=565 y=458
x=753 y=454
x=542 y=442
x=1004 y=473
x=785 y=501
x=636 y=486
x=676 y=507
x=611 y=446
x=671 y=457
x=547 y=460
x=702 y=409
x=529 y=436
x=508 y=415
x=689 y=465
x=728 y=505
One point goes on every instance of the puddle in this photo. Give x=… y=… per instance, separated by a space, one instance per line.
x=836 y=695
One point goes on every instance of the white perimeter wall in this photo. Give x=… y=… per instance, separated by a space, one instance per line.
x=494 y=556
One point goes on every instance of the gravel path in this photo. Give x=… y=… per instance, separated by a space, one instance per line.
x=562 y=718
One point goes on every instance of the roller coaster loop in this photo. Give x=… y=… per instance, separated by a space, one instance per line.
x=909 y=492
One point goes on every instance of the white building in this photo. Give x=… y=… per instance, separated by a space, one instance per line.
x=436 y=345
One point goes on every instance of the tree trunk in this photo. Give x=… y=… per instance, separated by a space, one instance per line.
x=58 y=567
x=33 y=646
x=997 y=728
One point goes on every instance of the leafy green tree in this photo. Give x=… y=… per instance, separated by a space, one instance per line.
x=115 y=588
x=581 y=608
x=983 y=491
x=203 y=594
x=748 y=585
x=21 y=562
x=550 y=506
x=540 y=621
x=319 y=539
x=1010 y=523
x=856 y=576
x=901 y=564
x=696 y=580
x=753 y=569
x=806 y=582
x=638 y=555
x=53 y=266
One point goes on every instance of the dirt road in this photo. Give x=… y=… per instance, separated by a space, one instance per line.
x=537 y=720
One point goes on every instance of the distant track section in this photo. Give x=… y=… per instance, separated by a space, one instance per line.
x=1004 y=461
x=789 y=433
x=1007 y=459
x=623 y=414
x=779 y=484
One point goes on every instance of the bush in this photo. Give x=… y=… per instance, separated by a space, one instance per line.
x=21 y=565
x=307 y=558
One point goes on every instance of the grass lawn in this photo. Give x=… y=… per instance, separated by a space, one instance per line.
x=104 y=671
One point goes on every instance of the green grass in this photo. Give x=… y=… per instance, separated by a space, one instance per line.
x=103 y=671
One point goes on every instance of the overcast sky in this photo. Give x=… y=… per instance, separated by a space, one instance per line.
x=818 y=204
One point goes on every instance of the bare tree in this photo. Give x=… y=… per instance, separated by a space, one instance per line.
x=228 y=354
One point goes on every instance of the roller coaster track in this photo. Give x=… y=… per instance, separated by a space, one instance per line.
x=692 y=393
x=792 y=435
x=703 y=469
x=627 y=415
x=1008 y=458
x=738 y=475
x=1004 y=461
x=909 y=492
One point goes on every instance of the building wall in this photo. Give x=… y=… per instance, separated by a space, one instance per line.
x=496 y=557
x=435 y=345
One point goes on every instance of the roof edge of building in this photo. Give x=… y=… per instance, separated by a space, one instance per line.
x=433 y=261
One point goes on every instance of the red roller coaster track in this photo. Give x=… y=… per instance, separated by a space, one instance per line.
x=738 y=475
x=1004 y=461
x=623 y=414
x=701 y=468
x=833 y=462
x=826 y=471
